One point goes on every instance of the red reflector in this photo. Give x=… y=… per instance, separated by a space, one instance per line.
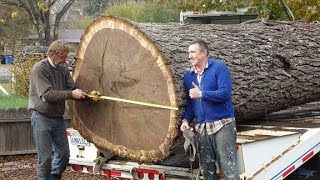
x=76 y=168
x=90 y=169
x=161 y=177
x=287 y=172
x=115 y=173
x=147 y=171
x=140 y=175
x=151 y=176
x=111 y=173
x=307 y=157
x=106 y=172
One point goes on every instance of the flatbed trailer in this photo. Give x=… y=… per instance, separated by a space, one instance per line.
x=265 y=150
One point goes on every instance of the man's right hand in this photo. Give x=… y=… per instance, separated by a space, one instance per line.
x=184 y=125
x=78 y=94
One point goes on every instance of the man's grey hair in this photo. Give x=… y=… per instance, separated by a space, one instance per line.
x=57 y=48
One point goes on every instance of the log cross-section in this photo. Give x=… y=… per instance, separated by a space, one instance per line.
x=118 y=60
x=273 y=66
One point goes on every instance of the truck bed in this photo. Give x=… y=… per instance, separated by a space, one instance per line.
x=277 y=145
x=268 y=148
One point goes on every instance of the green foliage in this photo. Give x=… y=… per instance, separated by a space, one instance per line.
x=131 y=11
x=206 y=5
x=143 y=12
x=43 y=6
x=21 y=70
x=83 y=23
x=307 y=10
x=14 y=25
x=13 y=102
x=155 y=12
x=45 y=16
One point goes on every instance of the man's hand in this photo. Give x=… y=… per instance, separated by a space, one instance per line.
x=195 y=92
x=184 y=125
x=78 y=94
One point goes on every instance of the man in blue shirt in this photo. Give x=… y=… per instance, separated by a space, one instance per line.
x=208 y=88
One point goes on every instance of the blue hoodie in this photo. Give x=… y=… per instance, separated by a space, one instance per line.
x=216 y=87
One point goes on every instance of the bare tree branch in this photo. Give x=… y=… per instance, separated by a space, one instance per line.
x=51 y=3
x=59 y=16
x=41 y=17
x=287 y=10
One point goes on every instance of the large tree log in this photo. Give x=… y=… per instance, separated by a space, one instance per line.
x=274 y=66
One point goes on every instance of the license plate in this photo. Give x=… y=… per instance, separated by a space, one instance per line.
x=78 y=140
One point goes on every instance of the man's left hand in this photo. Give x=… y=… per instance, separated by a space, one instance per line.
x=195 y=92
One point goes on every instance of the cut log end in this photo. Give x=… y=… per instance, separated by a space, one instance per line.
x=273 y=67
x=118 y=60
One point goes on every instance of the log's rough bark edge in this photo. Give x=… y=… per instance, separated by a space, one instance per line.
x=274 y=64
x=283 y=57
x=142 y=155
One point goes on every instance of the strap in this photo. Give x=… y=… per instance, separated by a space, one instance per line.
x=190 y=145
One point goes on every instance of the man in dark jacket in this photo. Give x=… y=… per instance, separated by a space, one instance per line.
x=50 y=85
x=208 y=88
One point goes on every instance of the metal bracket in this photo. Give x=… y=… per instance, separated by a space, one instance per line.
x=103 y=156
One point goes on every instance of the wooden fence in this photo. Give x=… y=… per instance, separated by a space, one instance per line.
x=15 y=132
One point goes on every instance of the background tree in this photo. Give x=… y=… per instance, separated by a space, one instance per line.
x=44 y=14
x=14 y=25
x=96 y=7
x=83 y=22
x=308 y=10
x=206 y=5
x=143 y=11
x=302 y=10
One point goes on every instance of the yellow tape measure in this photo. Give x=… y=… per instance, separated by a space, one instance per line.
x=134 y=102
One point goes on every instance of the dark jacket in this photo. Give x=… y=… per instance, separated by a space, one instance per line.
x=49 y=88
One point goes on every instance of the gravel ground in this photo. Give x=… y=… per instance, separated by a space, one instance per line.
x=24 y=166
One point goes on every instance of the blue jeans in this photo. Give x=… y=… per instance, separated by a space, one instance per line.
x=220 y=147
x=50 y=136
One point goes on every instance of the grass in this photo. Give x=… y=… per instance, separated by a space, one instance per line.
x=13 y=102
x=7 y=99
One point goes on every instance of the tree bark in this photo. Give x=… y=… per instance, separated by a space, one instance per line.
x=274 y=66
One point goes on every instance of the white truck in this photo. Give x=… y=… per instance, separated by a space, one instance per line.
x=285 y=147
